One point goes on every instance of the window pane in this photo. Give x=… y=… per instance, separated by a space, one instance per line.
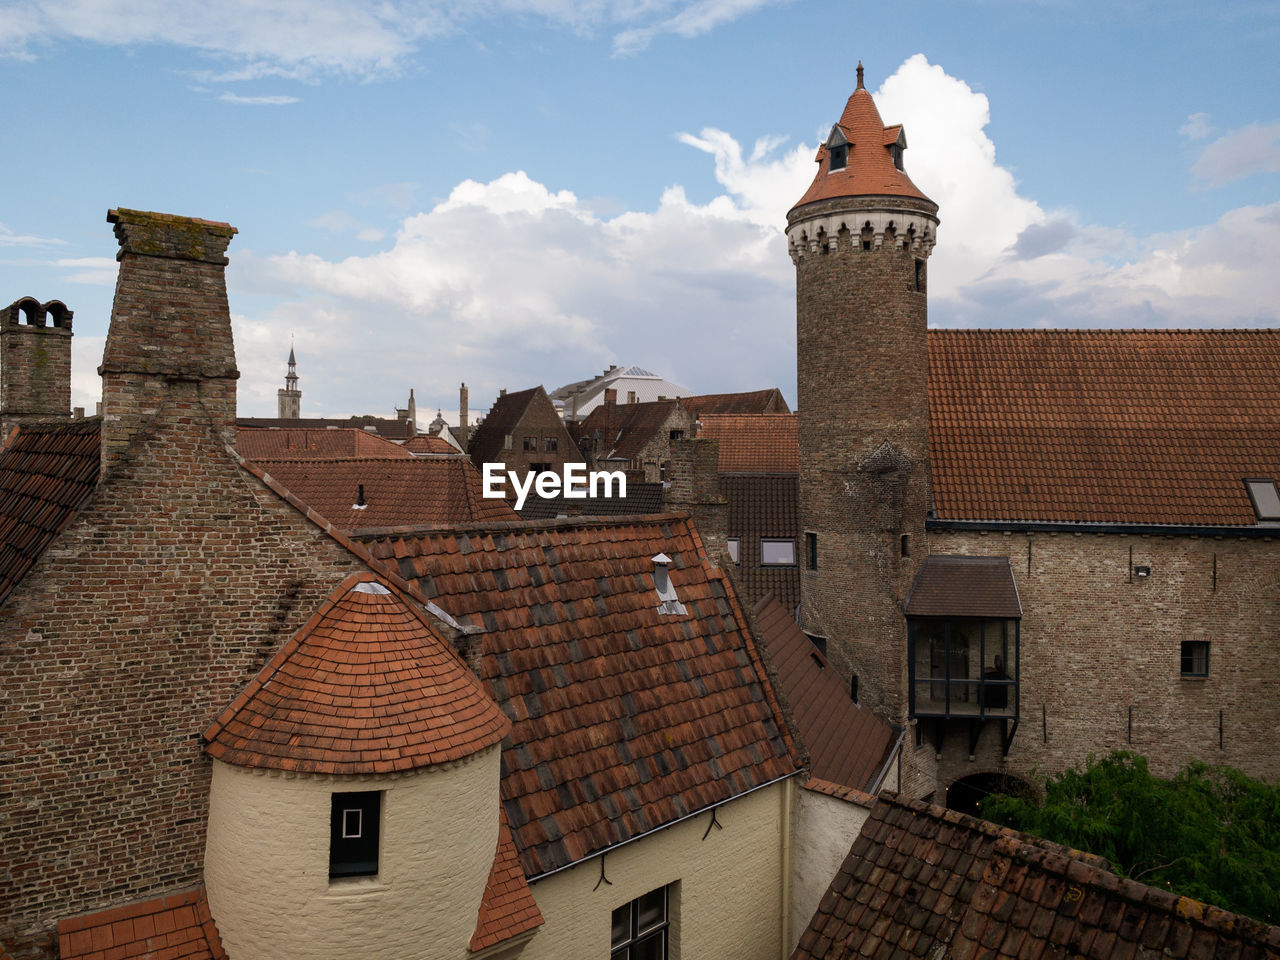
x=651 y=910
x=1195 y=658
x=777 y=552
x=621 y=925
x=651 y=948
x=1266 y=502
x=733 y=549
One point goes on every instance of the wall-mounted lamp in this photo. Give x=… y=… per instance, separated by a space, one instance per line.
x=1142 y=571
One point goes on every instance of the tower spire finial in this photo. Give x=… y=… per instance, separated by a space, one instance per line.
x=860 y=86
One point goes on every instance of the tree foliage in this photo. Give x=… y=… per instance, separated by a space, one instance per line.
x=1210 y=833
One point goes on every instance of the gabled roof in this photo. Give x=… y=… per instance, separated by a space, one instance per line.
x=507 y=908
x=488 y=439
x=1102 y=426
x=926 y=882
x=414 y=490
x=624 y=718
x=47 y=470
x=756 y=401
x=848 y=744
x=365 y=687
x=754 y=443
x=174 y=927
x=625 y=428
x=311 y=443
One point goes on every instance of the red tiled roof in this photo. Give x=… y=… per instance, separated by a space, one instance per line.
x=951 y=586
x=847 y=744
x=1109 y=426
x=256 y=443
x=47 y=470
x=507 y=908
x=623 y=718
x=416 y=490
x=488 y=439
x=754 y=443
x=756 y=401
x=926 y=882
x=870 y=170
x=625 y=428
x=426 y=443
x=365 y=687
x=174 y=927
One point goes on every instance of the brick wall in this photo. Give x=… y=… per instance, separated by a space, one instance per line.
x=541 y=423
x=35 y=362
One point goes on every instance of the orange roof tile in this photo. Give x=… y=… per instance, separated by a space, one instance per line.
x=754 y=443
x=365 y=687
x=755 y=401
x=870 y=170
x=1102 y=426
x=428 y=444
x=258 y=443
x=47 y=470
x=923 y=881
x=415 y=490
x=507 y=908
x=174 y=927
x=624 y=718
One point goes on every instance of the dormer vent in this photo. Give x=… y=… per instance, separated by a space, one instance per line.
x=837 y=150
x=669 y=603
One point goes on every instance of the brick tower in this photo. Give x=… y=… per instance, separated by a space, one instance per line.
x=35 y=362
x=289 y=399
x=860 y=238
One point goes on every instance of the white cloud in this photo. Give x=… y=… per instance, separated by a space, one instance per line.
x=10 y=239
x=99 y=271
x=691 y=20
x=1239 y=154
x=1197 y=127
x=279 y=100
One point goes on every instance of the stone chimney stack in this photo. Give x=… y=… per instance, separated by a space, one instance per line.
x=694 y=474
x=464 y=426
x=35 y=362
x=169 y=350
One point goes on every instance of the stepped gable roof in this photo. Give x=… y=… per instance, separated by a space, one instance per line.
x=755 y=401
x=848 y=744
x=754 y=443
x=1103 y=426
x=870 y=170
x=315 y=443
x=426 y=444
x=624 y=718
x=47 y=470
x=488 y=439
x=365 y=687
x=414 y=490
x=924 y=881
x=507 y=908
x=174 y=927
x=626 y=427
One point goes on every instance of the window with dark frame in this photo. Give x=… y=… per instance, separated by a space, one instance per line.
x=1265 y=498
x=1195 y=658
x=550 y=444
x=839 y=157
x=777 y=553
x=354 y=823
x=811 y=551
x=641 y=929
x=531 y=444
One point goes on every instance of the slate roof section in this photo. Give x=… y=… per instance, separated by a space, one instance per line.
x=763 y=507
x=921 y=881
x=173 y=927
x=642 y=498
x=255 y=443
x=625 y=428
x=848 y=744
x=487 y=440
x=365 y=687
x=415 y=490
x=754 y=443
x=1102 y=426
x=47 y=470
x=623 y=719
x=953 y=586
x=507 y=908
x=753 y=401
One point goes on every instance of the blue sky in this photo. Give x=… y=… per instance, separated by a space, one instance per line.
x=515 y=192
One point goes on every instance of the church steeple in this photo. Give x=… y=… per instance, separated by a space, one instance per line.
x=289 y=400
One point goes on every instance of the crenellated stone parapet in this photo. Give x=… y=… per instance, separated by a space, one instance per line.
x=861 y=229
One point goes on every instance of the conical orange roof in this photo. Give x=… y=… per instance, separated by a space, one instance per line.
x=366 y=687
x=870 y=170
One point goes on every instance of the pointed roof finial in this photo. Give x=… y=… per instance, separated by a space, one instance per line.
x=860 y=86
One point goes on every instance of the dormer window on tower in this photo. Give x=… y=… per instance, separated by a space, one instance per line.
x=896 y=146
x=837 y=150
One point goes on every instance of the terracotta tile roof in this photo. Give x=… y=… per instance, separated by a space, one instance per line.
x=642 y=498
x=926 y=882
x=425 y=443
x=870 y=170
x=416 y=490
x=47 y=470
x=623 y=718
x=255 y=443
x=763 y=506
x=175 y=927
x=755 y=401
x=625 y=428
x=1109 y=426
x=847 y=744
x=365 y=687
x=507 y=908
x=383 y=426
x=754 y=443
x=948 y=586
x=488 y=439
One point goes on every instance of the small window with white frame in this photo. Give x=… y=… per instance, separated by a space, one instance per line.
x=641 y=929
x=734 y=545
x=777 y=553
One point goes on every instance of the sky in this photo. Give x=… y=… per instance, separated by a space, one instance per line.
x=515 y=192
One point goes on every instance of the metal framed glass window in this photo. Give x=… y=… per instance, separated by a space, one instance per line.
x=1265 y=499
x=641 y=928
x=1195 y=658
x=779 y=553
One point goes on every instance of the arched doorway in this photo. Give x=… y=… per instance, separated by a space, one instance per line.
x=966 y=794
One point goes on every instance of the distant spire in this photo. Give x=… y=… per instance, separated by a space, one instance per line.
x=860 y=86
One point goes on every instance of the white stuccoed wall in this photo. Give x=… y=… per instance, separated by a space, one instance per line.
x=267 y=864
x=826 y=827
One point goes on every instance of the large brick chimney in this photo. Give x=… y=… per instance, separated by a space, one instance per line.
x=169 y=346
x=35 y=362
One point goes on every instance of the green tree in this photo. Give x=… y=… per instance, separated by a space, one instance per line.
x=1210 y=833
